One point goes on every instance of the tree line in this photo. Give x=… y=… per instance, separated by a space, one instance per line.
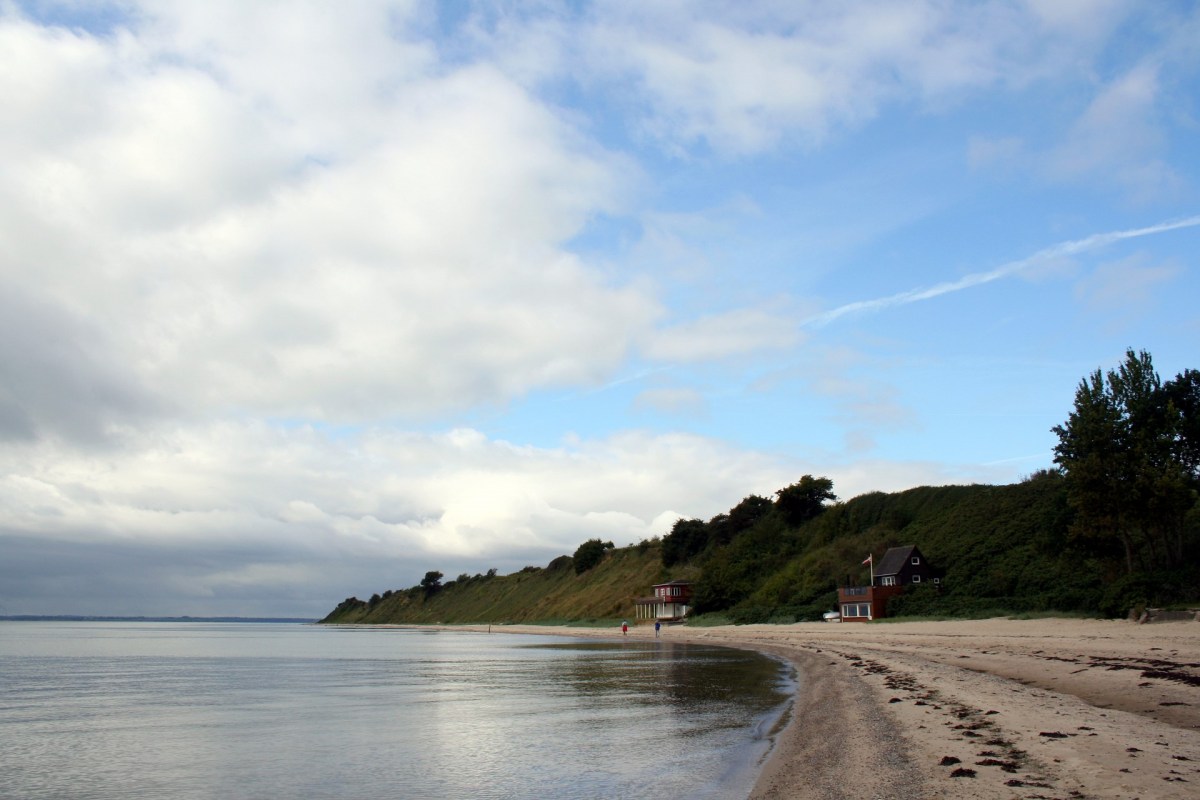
x=1114 y=523
x=1130 y=452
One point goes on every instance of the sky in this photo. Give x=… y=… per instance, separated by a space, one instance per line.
x=301 y=300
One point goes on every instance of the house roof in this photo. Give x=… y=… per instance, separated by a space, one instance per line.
x=895 y=559
x=673 y=583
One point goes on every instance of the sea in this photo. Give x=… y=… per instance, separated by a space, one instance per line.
x=198 y=710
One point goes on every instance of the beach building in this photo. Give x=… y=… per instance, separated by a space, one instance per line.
x=670 y=602
x=899 y=568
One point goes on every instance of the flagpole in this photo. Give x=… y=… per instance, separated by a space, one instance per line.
x=871 y=561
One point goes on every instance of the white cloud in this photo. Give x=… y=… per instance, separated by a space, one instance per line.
x=673 y=400
x=1125 y=288
x=259 y=500
x=231 y=517
x=403 y=256
x=1118 y=136
x=865 y=401
x=724 y=335
x=742 y=78
x=248 y=251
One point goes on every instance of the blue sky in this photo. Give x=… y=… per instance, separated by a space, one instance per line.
x=301 y=300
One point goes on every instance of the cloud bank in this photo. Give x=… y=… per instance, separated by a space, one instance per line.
x=301 y=300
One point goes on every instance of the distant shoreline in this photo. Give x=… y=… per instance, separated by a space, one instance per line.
x=86 y=618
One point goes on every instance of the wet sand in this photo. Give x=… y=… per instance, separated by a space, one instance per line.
x=976 y=709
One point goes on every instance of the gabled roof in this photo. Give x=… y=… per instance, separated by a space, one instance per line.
x=895 y=559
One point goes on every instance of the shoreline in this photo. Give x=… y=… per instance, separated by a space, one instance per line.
x=983 y=709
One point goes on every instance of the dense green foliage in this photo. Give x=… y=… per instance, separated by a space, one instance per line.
x=432 y=583
x=1000 y=549
x=1129 y=451
x=589 y=554
x=804 y=500
x=1115 y=527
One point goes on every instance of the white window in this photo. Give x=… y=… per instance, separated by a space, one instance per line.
x=890 y=580
x=916 y=578
x=916 y=560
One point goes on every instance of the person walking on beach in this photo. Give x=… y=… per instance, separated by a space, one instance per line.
x=624 y=627
x=657 y=625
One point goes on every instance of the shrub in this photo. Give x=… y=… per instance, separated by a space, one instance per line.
x=589 y=554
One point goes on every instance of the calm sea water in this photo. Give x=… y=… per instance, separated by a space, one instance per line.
x=198 y=710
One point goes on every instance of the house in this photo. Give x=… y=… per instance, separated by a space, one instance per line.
x=899 y=568
x=670 y=602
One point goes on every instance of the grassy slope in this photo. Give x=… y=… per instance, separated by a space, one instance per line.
x=1000 y=548
x=555 y=593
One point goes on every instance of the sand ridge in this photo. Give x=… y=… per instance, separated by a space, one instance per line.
x=998 y=708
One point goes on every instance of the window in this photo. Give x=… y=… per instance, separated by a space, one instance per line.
x=916 y=578
x=890 y=580
x=916 y=560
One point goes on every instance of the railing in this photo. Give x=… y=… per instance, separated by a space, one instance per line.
x=854 y=591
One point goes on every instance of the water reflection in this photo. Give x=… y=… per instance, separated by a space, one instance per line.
x=292 y=711
x=688 y=675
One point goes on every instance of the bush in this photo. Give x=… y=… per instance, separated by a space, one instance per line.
x=688 y=538
x=560 y=563
x=1145 y=590
x=589 y=554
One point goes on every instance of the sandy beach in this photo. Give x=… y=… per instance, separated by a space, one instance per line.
x=995 y=708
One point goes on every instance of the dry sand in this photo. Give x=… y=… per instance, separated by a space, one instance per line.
x=981 y=709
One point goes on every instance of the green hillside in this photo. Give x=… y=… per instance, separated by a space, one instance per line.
x=551 y=593
x=1114 y=526
x=997 y=548
x=1000 y=549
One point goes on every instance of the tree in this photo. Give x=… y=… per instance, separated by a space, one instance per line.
x=804 y=500
x=431 y=583
x=589 y=554
x=1123 y=449
x=1184 y=394
x=688 y=537
x=748 y=512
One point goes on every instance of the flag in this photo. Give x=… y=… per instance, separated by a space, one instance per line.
x=868 y=559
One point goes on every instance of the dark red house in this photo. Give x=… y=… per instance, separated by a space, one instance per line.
x=899 y=568
x=670 y=602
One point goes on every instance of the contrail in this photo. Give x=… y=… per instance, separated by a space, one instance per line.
x=1092 y=242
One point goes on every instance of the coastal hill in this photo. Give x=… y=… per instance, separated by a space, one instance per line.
x=554 y=593
x=1000 y=549
x=1113 y=527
